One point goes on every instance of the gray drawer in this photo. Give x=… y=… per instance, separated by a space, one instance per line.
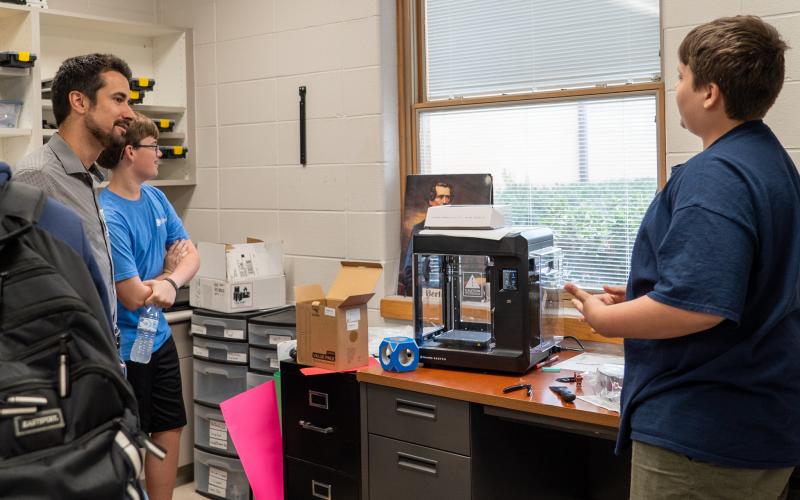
x=399 y=471
x=419 y=418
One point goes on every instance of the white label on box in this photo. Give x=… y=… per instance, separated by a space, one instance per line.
x=198 y=329
x=217 y=478
x=233 y=334
x=200 y=351
x=353 y=315
x=329 y=311
x=277 y=339
x=353 y=325
x=217 y=429
x=217 y=443
x=242 y=295
x=274 y=363
x=238 y=357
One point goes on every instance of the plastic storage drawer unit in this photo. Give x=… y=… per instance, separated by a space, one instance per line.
x=264 y=360
x=220 y=350
x=268 y=330
x=218 y=325
x=220 y=477
x=216 y=382
x=211 y=432
x=256 y=379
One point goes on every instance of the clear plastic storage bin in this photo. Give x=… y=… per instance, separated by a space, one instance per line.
x=220 y=477
x=256 y=379
x=9 y=113
x=268 y=330
x=219 y=350
x=264 y=360
x=211 y=432
x=216 y=382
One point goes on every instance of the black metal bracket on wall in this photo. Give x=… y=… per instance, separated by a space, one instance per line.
x=303 y=125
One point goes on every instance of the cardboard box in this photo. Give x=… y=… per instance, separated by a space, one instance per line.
x=468 y=216
x=332 y=329
x=239 y=277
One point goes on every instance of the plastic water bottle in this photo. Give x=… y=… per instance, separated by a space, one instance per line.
x=145 y=334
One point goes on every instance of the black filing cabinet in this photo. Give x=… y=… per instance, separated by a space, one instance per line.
x=321 y=434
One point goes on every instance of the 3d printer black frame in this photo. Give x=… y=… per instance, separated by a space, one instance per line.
x=515 y=314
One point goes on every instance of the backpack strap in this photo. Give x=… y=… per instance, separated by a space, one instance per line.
x=19 y=201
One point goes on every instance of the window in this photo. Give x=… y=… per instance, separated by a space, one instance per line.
x=582 y=159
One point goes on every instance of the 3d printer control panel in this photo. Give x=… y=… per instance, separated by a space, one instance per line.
x=509 y=280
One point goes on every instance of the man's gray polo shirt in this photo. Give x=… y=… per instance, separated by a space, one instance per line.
x=58 y=172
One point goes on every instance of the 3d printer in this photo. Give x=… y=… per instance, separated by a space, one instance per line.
x=487 y=300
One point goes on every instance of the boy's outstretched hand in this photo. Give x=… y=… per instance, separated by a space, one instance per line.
x=585 y=302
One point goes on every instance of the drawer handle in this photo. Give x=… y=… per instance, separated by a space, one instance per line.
x=318 y=399
x=311 y=427
x=415 y=409
x=320 y=490
x=417 y=464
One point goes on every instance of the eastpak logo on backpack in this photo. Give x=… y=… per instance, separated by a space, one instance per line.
x=42 y=421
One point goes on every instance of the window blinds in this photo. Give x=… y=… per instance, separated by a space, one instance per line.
x=480 y=47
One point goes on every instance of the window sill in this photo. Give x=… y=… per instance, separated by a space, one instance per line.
x=402 y=308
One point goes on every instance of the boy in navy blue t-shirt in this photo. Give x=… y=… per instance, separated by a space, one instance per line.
x=142 y=226
x=711 y=314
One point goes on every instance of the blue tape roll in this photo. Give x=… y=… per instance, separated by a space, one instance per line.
x=398 y=354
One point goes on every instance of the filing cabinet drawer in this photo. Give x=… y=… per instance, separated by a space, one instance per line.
x=321 y=418
x=399 y=471
x=305 y=480
x=419 y=418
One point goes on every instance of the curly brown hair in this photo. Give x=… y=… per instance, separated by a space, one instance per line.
x=744 y=56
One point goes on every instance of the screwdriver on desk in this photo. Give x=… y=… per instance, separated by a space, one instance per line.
x=517 y=387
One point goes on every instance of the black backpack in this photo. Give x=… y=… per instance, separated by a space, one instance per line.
x=68 y=418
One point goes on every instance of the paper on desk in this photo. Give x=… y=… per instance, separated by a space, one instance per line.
x=601 y=402
x=252 y=421
x=589 y=362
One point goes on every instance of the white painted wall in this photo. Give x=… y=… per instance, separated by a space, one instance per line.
x=250 y=58
x=678 y=17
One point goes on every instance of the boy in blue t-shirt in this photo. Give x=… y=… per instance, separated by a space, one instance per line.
x=711 y=314
x=142 y=226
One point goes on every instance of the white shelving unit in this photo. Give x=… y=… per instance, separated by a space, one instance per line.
x=17 y=27
x=163 y=53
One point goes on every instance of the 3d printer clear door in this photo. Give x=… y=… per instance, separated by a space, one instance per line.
x=429 y=286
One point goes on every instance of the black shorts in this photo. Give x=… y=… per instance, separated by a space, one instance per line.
x=157 y=386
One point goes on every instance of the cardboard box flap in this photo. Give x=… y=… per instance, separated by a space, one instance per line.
x=212 y=262
x=355 y=278
x=355 y=300
x=240 y=261
x=305 y=293
x=253 y=260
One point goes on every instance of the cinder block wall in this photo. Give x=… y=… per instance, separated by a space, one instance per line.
x=250 y=58
x=678 y=17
